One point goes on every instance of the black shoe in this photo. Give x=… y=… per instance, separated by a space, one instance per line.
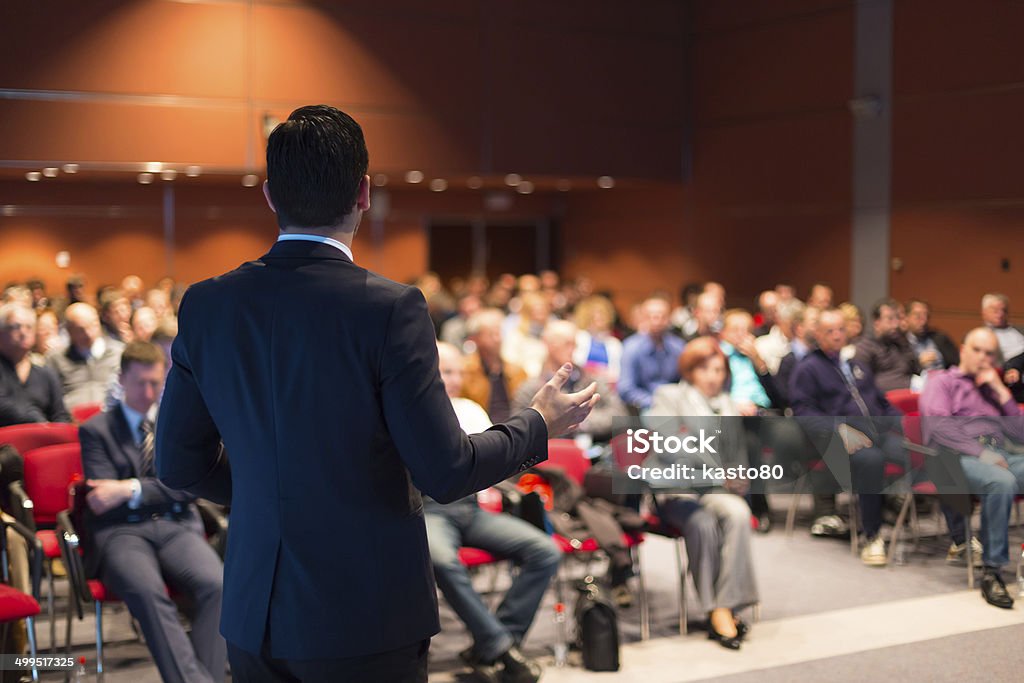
x=518 y=668
x=742 y=628
x=994 y=589
x=487 y=672
x=725 y=641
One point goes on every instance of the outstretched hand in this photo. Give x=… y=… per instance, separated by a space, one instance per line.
x=564 y=412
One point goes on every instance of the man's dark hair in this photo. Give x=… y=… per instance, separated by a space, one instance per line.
x=911 y=302
x=143 y=353
x=315 y=162
x=876 y=310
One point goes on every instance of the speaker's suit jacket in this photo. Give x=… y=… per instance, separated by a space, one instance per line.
x=320 y=378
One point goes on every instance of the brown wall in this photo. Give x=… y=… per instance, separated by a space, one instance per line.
x=958 y=183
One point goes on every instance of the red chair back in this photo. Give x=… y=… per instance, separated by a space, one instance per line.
x=566 y=454
x=621 y=454
x=904 y=400
x=83 y=411
x=27 y=437
x=49 y=471
x=912 y=431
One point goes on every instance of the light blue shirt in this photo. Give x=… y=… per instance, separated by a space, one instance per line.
x=340 y=246
x=135 y=419
x=745 y=384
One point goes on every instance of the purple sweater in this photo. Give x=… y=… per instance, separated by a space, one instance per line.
x=978 y=414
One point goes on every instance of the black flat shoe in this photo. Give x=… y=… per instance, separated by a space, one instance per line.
x=724 y=641
x=742 y=628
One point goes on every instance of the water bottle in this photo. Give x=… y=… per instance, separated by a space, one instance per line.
x=900 y=554
x=1020 y=573
x=80 y=675
x=561 y=636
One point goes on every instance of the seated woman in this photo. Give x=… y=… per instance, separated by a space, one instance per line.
x=715 y=523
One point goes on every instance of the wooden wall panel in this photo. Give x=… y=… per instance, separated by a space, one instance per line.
x=150 y=47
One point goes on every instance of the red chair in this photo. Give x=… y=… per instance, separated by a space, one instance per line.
x=14 y=604
x=83 y=411
x=904 y=400
x=49 y=471
x=36 y=435
x=918 y=455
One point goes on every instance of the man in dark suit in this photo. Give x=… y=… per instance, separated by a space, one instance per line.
x=146 y=537
x=321 y=380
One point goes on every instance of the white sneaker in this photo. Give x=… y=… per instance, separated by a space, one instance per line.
x=956 y=552
x=873 y=552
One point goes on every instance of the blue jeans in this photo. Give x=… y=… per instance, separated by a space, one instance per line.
x=996 y=487
x=463 y=523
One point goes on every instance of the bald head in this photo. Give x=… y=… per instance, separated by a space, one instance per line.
x=979 y=350
x=83 y=324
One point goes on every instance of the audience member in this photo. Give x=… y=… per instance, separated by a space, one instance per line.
x=489 y=380
x=820 y=296
x=707 y=316
x=560 y=339
x=888 y=355
x=115 y=316
x=28 y=393
x=715 y=526
x=774 y=345
x=824 y=390
x=144 y=322
x=521 y=344
x=767 y=302
x=969 y=410
x=751 y=384
x=453 y=330
x=934 y=349
x=802 y=342
x=683 y=318
x=146 y=536
x=48 y=337
x=90 y=362
x=785 y=291
x=995 y=313
x=132 y=288
x=649 y=358
x=597 y=350
x=496 y=636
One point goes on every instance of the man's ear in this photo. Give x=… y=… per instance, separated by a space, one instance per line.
x=266 y=195
x=363 y=200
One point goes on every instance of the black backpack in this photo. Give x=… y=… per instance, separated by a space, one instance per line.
x=597 y=628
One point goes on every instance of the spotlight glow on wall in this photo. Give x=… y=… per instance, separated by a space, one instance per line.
x=145 y=178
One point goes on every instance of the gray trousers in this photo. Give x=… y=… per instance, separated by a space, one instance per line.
x=716 y=530
x=138 y=562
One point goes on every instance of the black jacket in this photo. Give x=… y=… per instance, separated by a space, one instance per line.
x=321 y=380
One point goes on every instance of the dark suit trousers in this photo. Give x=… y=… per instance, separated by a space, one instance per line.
x=404 y=665
x=138 y=562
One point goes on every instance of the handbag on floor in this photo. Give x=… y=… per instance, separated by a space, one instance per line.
x=597 y=628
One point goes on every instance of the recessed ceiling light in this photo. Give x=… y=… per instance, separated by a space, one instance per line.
x=33 y=176
x=193 y=171
x=525 y=187
x=145 y=178
x=153 y=167
x=414 y=177
x=563 y=185
x=438 y=185
x=250 y=180
x=168 y=174
x=513 y=179
x=474 y=182
x=380 y=179
x=51 y=172
x=606 y=182
x=70 y=168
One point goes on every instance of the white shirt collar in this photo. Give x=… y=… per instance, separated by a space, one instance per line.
x=344 y=248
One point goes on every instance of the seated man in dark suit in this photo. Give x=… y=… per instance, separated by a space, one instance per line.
x=146 y=536
x=28 y=393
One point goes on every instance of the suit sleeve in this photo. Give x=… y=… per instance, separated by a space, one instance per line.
x=189 y=454
x=96 y=463
x=444 y=463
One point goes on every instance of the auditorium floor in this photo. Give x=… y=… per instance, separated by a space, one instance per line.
x=824 y=617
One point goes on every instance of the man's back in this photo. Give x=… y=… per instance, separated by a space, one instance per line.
x=321 y=379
